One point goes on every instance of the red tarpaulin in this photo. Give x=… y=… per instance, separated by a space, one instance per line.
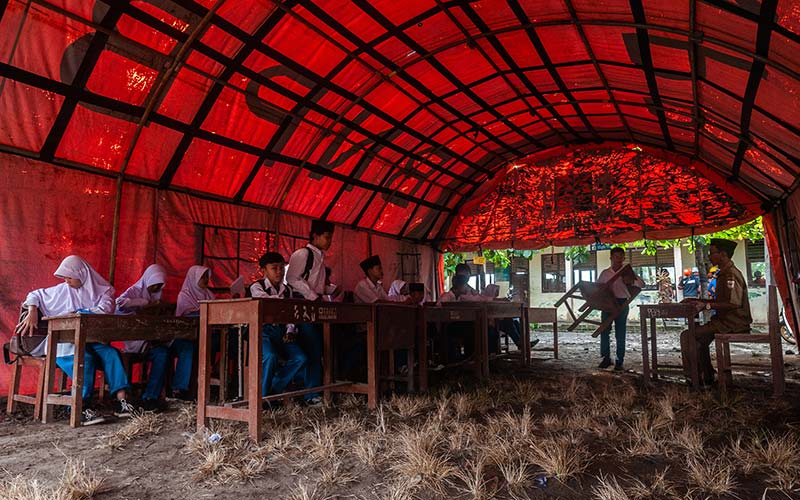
x=382 y=116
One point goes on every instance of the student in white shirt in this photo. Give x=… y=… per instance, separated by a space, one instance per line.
x=306 y=275
x=141 y=297
x=620 y=291
x=370 y=289
x=277 y=340
x=86 y=292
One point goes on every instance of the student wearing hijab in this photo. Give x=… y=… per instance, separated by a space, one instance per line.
x=84 y=291
x=143 y=295
x=193 y=290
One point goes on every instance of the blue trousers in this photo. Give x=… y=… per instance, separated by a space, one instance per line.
x=620 y=329
x=97 y=356
x=273 y=379
x=183 y=350
x=513 y=329
x=309 y=338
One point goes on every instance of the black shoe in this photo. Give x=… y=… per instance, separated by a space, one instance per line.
x=534 y=342
x=91 y=417
x=618 y=368
x=124 y=409
x=154 y=405
x=605 y=363
x=181 y=395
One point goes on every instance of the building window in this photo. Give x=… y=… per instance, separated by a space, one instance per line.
x=585 y=271
x=647 y=267
x=554 y=277
x=756 y=263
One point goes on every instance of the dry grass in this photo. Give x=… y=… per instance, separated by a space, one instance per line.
x=658 y=487
x=234 y=458
x=187 y=416
x=76 y=483
x=516 y=476
x=367 y=449
x=608 y=488
x=644 y=436
x=775 y=455
x=333 y=473
x=302 y=491
x=138 y=426
x=23 y=488
x=712 y=474
x=562 y=456
x=472 y=480
x=407 y=406
x=420 y=453
x=464 y=405
x=689 y=440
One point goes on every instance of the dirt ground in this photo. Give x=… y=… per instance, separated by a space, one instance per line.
x=560 y=429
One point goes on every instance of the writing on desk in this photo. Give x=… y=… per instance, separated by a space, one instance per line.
x=455 y=315
x=305 y=314
x=327 y=313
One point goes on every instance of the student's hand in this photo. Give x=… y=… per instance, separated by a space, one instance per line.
x=28 y=325
x=289 y=337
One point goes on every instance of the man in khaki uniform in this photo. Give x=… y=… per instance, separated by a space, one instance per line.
x=731 y=304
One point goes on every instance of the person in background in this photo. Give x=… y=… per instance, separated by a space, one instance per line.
x=666 y=294
x=193 y=290
x=690 y=283
x=620 y=291
x=732 y=306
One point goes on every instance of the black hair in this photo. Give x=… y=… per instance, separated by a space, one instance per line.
x=617 y=250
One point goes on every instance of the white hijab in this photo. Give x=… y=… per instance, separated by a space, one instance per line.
x=191 y=294
x=95 y=292
x=153 y=275
x=396 y=290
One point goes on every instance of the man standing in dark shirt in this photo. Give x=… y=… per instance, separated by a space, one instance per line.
x=731 y=304
x=690 y=285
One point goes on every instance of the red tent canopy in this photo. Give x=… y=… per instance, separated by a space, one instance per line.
x=388 y=115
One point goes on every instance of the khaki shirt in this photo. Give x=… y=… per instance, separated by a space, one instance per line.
x=732 y=288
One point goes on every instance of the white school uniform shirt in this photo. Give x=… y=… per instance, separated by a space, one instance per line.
x=313 y=285
x=367 y=292
x=191 y=294
x=396 y=291
x=619 y=288
x=95 y=295
x=267 y=290
x=449 y=296
x=137 y=296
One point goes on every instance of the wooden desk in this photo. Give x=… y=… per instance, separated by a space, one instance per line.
x=453 y=312
x=546 y=315
x=653 y=312
x=257 y=312
x=501 y=310
x=79 y=329
x=396 y=329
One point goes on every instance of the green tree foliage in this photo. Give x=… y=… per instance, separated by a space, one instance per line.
x=753 y=230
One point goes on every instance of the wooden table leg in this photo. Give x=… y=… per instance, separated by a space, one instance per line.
x=645 y=354
x=223 y=364
x=422 y=350
x=255 y=373
x=49 y=375
x=78 y=365
x=695 y=374
x=203 y=369
x=327 y=360
x=654 y=347
x=482 y=346
x=526 y=337
x=372 y=364
x=555 y=338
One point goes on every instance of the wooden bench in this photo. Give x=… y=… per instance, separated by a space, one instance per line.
x=722 y=342
x=546 y=315
x=36 y=399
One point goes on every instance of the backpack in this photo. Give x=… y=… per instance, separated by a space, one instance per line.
x=309 y=264
x=24 y=345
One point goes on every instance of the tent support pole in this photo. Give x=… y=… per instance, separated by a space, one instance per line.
x=112 y=267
